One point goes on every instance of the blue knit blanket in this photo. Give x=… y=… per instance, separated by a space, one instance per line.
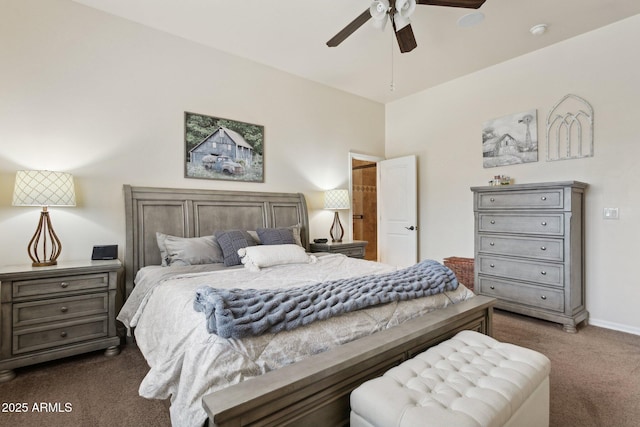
x=238 y=313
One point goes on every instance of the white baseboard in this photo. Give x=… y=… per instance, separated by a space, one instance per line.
x=615 y=326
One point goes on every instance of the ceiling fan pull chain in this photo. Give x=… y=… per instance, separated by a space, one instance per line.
x=392 y=87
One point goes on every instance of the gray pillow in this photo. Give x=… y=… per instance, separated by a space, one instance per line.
x=160 y=239
x=276 y=236
x=232 y=240
x=189 y=250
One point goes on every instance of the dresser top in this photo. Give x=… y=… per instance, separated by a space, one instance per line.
x=531 y=186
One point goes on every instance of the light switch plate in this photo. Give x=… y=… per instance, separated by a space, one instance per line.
x=611 y=213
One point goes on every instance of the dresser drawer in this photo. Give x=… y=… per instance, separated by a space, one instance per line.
x=59 y=334
x=58 y=285
x=57 y=309
x=541 y=199
x=539 y=272
x=549 y=224
x=535 y=296
x=547 y=249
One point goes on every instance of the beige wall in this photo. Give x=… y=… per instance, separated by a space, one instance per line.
x=103 y=98
x=443 y=127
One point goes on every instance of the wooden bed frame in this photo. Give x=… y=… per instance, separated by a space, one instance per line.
x=314 y=391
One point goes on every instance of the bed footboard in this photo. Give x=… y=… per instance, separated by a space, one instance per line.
x=315 y=391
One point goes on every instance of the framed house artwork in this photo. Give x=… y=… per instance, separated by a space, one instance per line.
x=218 y=148
x=510 y=140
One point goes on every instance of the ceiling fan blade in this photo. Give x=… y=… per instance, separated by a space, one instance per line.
x=350 y=29
x=471 y=4
x=406 y=39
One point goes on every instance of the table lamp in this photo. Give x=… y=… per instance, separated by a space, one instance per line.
x=44 y=189
x=336 y=200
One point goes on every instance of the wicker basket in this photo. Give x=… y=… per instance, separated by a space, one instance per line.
x=463 y=269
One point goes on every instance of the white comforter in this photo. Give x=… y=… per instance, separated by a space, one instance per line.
x=187 y=362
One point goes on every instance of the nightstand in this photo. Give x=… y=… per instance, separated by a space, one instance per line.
x=57 y=311
x=350 y=248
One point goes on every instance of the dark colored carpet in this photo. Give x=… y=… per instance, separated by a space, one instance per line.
x=595 y=373
x=595 y=381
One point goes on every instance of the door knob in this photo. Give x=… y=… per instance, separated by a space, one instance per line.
x=411 y=228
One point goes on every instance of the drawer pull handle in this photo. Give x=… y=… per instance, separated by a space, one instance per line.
x=492 y=265
x=64 y=284
x=543 y=297
x=544 y=273
x=492 y=287
x=491 y=244
x=64 y=309
x=492 y=221
x=63 y=334
x=543 y=198
x=543 y=248
x=544 y=223
x=492 y=199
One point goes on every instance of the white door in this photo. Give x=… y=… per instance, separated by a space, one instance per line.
x=398 y=211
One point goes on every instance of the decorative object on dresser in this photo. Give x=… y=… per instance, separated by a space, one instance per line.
x=44 y=188
x=529 y=249
x=57 y=311
x=336 y=200
x=351 y=248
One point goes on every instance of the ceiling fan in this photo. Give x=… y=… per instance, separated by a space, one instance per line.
x=398 y=12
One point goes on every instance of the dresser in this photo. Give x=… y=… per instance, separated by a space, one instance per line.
x=529 y=249
x=350 y=248
x=56 y=311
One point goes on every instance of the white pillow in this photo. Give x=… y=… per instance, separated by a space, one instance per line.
x=256 y=257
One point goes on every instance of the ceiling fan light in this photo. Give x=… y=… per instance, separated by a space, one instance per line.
x=405 y=7
x=378 y=11
x=379 y=8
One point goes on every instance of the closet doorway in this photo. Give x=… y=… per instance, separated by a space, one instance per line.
x=364 y=201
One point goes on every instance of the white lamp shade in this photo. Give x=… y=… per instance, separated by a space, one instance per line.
x=44 y=188
x=336 y=199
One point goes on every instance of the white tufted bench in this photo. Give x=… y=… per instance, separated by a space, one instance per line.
x=468 y=380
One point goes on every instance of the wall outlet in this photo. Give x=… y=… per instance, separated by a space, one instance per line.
x=611 y=213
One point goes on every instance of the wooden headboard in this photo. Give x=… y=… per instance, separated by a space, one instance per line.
x=195 y=213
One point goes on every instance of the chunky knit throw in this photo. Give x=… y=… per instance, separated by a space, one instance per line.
x=237 y=313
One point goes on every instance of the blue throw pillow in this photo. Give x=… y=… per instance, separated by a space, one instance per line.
x=232 y=240
x=276 y=236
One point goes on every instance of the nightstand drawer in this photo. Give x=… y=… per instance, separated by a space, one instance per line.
x=550 y=224
x=33 y=312
x=354 y=252
x=62 y=284
x=546 y=199
x=58 y=334
x=547 y=249
x=546 y=273
x=535 y=296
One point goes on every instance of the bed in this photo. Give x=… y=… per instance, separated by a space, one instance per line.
x=297 y=377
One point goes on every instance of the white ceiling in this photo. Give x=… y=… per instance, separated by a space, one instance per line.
x=290 y=35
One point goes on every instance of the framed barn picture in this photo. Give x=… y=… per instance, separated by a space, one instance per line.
x=218 y=148
x=510 y=140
